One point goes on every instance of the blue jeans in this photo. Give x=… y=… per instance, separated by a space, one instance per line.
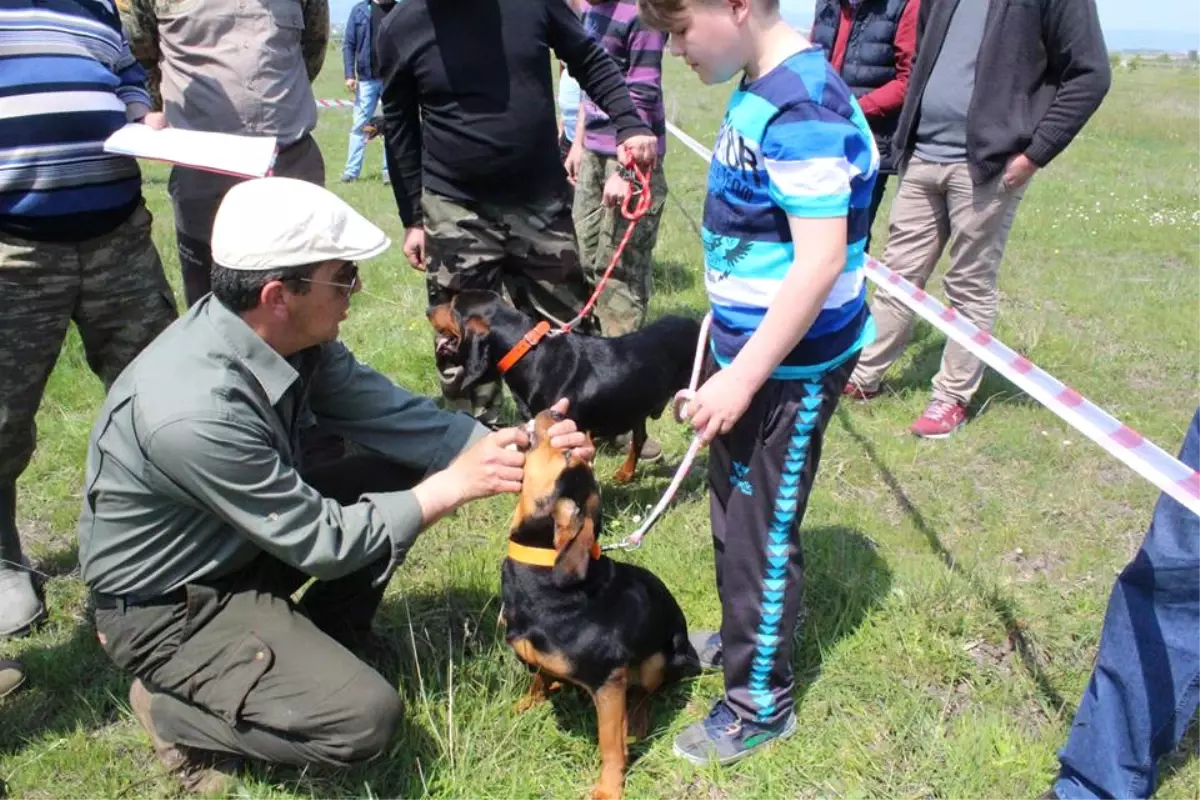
x=366 y=97
x=1145 y=685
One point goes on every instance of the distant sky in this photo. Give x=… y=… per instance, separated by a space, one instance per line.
x=1177 y=22
x=1116 y=15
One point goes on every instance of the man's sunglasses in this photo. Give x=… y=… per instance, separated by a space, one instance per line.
x=347 y=279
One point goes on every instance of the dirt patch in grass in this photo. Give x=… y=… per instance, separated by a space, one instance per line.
x=1029 y=566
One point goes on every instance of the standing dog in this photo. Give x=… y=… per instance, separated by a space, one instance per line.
x=614 y=384
x=574 y=615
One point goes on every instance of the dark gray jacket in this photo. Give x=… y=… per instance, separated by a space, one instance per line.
x=1042 y=72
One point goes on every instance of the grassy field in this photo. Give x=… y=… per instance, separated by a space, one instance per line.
x=954 y=591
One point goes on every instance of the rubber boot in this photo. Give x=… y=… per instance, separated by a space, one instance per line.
x=20 y=606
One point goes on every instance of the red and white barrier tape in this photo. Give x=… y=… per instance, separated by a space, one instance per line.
x=1125 y=444
x=335 y=103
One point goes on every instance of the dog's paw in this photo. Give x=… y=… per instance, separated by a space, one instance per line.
x=602 y=791
x=529 y=702
x=624 y=474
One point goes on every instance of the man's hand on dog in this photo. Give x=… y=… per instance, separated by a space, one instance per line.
x=490 y=467
x=719 y=404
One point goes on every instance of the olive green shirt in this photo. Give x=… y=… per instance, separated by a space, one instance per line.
x=193 y=464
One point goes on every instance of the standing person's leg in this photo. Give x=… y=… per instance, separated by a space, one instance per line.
x=723 y=480
x=587 y=210
x=542 y=272
x=39 y=285
x=622 y=306
x=196 y=196
x=302 y=160
x=918 y=230
x=464 y=249
x=774 y=454
x=877 y=193
x=364 y=107
x=981 y=217
x=374 y=91
x=1145 y=686
x=125 y=301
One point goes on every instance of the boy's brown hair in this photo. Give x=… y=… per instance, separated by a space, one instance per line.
x=662 y=15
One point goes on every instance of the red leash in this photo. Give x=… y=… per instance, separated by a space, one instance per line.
x=633 y=208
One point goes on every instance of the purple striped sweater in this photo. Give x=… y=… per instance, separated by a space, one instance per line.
x=638 y=51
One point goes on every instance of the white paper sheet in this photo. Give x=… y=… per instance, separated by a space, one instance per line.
x=250 y=156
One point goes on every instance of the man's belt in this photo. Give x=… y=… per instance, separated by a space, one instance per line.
x=123 y=601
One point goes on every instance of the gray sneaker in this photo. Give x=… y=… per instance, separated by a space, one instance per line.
x=707 y=645
x=724 y=738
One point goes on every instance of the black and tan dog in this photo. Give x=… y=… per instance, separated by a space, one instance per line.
x=614 y=384
x=573 y=615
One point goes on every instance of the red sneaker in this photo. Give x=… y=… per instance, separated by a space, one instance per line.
x=856 y=392
x=939 y=420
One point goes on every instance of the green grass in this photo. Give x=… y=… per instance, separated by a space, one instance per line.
x=954 y=591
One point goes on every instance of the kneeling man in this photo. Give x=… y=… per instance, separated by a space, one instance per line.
x=201 y=519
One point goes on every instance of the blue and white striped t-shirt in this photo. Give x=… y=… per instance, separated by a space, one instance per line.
x=793 y=143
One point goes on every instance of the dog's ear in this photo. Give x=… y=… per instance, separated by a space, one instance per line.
x=574 y=537
x=444 y=320
x=479 y=365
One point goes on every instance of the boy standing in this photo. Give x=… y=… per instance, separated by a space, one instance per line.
x=795 y=162
x=600 y=183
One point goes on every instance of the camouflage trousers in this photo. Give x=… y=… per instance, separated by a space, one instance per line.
x=114 y=289
x=527 y=250
x=622 y=305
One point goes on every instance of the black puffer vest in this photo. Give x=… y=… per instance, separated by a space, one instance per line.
x=870 y=56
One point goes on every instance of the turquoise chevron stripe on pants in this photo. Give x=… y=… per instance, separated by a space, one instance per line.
x=760 y=475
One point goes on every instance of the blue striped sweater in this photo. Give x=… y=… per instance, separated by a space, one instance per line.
x=66 y=77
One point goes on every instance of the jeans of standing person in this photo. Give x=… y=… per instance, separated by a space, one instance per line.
x=1145 y=686
x=366 y=97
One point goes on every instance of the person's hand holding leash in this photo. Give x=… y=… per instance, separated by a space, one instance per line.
x=414 y=247
x=641 y=150
x=719 y=404
x=616 y=190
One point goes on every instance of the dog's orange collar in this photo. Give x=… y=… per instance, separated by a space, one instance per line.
x=540 y=556
x=528 y=342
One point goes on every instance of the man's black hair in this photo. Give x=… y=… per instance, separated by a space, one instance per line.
x=239 y=289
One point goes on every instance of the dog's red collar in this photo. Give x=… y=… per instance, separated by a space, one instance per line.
x=528 y=342
x=540 y=556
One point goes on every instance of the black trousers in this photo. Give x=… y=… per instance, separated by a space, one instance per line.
x=243 y=669
x=760 y=475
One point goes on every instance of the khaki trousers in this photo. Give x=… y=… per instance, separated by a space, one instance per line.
x=936 y=204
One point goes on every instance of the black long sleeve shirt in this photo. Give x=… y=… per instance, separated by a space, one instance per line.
x=468 y=98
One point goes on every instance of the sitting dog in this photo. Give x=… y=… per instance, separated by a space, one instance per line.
x=574 y=615
x=614 y=384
